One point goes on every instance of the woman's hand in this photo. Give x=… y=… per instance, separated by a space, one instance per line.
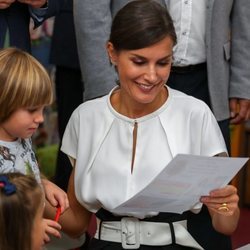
x=226 y=197
x=224 y=209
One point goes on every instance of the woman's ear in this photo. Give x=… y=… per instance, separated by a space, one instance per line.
x=111 y=53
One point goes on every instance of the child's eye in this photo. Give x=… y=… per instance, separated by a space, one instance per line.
x=32 y=110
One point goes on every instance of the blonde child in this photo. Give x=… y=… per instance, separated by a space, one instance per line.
x=25 y=90
x=21 y=212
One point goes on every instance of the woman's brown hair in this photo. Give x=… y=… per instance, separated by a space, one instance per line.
x=140 y=24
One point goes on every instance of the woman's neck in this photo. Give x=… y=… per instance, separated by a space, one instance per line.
x=132 y=109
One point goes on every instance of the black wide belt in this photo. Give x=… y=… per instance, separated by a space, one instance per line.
x=189 y=68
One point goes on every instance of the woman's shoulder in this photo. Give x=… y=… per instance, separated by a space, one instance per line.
x=181 y=99
x=92 y=112
x=92 y=106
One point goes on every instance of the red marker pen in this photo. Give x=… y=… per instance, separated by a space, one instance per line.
x=58 y=213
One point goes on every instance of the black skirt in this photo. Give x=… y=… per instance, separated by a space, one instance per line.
x=107 y=245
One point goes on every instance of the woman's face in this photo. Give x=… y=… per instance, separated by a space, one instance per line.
x=143 y=72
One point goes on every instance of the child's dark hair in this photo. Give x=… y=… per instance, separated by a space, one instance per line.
x=139 y=24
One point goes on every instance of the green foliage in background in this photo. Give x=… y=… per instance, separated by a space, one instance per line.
x=46 y=157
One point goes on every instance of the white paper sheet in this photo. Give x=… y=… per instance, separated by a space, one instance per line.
x=182 y=182
x=246 y=247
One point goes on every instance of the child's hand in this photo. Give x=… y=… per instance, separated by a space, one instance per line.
x=51 y=228
x=55 y=195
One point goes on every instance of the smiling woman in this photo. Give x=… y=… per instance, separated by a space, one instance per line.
x=142 y=76
x=142 y=55
x=118 y=144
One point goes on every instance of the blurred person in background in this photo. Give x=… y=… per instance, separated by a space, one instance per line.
x=15 y=20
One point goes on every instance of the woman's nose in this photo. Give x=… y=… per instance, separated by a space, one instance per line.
x=151 y=75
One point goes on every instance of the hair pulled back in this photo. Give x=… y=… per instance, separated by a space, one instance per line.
x=139 y=24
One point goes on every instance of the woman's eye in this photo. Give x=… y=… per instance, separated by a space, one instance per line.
x=139 y=62
x=164 y=63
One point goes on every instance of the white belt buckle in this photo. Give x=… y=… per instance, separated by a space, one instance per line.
x=130 y=230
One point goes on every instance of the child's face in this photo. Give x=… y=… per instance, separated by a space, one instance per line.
x=38 y=231
x=22 y=123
